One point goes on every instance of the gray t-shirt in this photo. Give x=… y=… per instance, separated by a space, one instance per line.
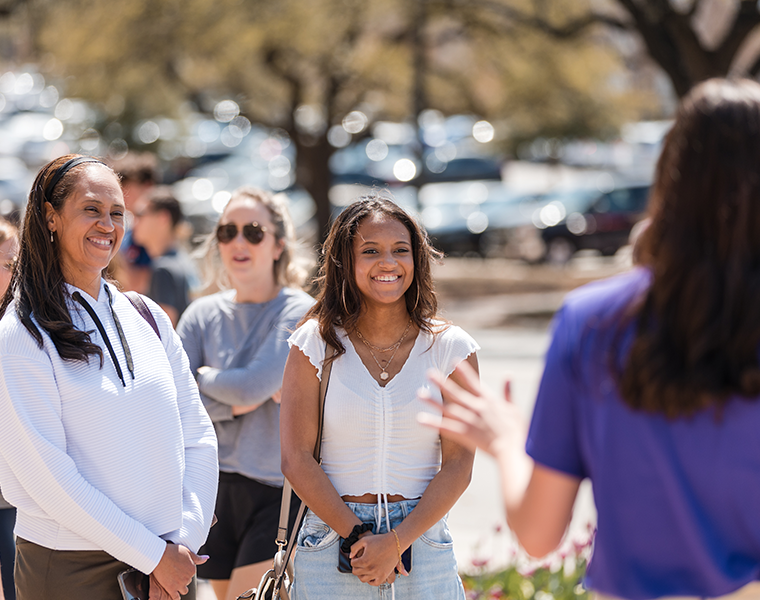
x=246 y=346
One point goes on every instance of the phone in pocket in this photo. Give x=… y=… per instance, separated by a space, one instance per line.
x=344 y=562
x=406 y=560
x=134 y=585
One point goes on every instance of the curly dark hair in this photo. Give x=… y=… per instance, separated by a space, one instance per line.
x=37 y=284
x=698 y=324
x=339 y=301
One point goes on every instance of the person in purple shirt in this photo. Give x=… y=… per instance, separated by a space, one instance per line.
x=652 y=382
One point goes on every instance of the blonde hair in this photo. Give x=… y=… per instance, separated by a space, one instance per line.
x=7 y=231
x=290 y=269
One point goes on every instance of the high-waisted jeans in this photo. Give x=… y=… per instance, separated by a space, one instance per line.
x=433 y=576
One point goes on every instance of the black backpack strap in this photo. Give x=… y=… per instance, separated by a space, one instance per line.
x=142 y=308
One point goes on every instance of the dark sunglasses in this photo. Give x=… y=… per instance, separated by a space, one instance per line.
x=253 y=232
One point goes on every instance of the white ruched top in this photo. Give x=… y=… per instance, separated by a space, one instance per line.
x=372 y=442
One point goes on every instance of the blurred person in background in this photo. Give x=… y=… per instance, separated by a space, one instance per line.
x=384 y=484
x=652 y=382
x=138 y=173
x=8 y=255
x=236 y=340
x=173 y=274
x=105 y=447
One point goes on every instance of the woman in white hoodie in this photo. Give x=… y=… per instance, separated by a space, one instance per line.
x=105 y=448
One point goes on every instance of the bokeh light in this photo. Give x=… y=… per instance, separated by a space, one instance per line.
x=404 y=169
x=483 y=132
x=355 y=122
x=226 y=110
x=377 y=150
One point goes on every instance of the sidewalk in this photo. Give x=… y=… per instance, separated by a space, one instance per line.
x=496 y=293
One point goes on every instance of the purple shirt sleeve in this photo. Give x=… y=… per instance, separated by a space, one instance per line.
x=553 y=437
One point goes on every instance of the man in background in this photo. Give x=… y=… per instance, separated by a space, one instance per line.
x=139 y=175
x=173 y=276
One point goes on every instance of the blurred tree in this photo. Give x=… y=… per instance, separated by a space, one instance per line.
x=691 y=40
x=304 y=64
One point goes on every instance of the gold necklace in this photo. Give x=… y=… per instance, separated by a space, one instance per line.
x=389 y=348
x=383 y=369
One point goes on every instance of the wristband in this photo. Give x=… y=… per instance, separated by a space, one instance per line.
x=353 y=537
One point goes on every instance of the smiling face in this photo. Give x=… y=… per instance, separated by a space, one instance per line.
x=249 y=264
x=89 y=227
x=383 y=261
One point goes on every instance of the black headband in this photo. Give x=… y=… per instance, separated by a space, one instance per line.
x=65 y=168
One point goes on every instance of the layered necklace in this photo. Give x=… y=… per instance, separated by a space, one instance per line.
x=384 y=369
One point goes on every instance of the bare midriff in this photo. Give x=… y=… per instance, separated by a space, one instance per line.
x=372 y=498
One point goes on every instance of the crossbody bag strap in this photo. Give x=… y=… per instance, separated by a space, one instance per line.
x=282 y=530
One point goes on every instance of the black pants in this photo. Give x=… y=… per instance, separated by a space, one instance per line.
x=7 y=551
x=43 y=573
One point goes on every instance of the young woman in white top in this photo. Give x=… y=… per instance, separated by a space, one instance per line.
x=385 y=484
x=105 y=447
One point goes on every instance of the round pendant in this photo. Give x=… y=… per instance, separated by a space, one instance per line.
x=384 y=375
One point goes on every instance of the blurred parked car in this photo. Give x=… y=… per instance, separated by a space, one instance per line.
x=460 y=216
x=604 y=223
x=487 y=219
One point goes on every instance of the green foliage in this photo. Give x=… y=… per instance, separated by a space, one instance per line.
x=540 y=584
x=557 y=576
x=337 y=55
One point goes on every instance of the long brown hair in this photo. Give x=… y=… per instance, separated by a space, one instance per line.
x=339 y=301
x=37 y=284
x=698 y=325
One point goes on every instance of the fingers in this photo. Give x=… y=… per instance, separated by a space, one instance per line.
x=357 y=550
x=451 y=391
x=454 y=430
x=158 y=592
x=198 y=559
x=467 y=378
x=508 y=390
x=401 y=569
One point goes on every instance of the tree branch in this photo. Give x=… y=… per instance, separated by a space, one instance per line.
x=571 y=28
x=747 y=19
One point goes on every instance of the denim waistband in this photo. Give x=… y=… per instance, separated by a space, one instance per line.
x=376 y=513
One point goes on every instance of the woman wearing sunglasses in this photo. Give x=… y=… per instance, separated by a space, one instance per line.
x=236 y=340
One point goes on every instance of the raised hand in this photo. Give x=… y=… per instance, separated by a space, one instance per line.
x=471 y=415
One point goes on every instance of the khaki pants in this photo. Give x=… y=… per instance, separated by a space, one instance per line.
x=42 y=574
x=751 y=591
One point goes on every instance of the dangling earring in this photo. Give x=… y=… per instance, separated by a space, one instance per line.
x=51 y=238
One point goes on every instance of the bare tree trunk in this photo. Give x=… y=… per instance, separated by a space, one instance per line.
x=313 y=173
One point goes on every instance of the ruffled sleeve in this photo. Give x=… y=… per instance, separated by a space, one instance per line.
x=309 y=341
x=453 y=345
